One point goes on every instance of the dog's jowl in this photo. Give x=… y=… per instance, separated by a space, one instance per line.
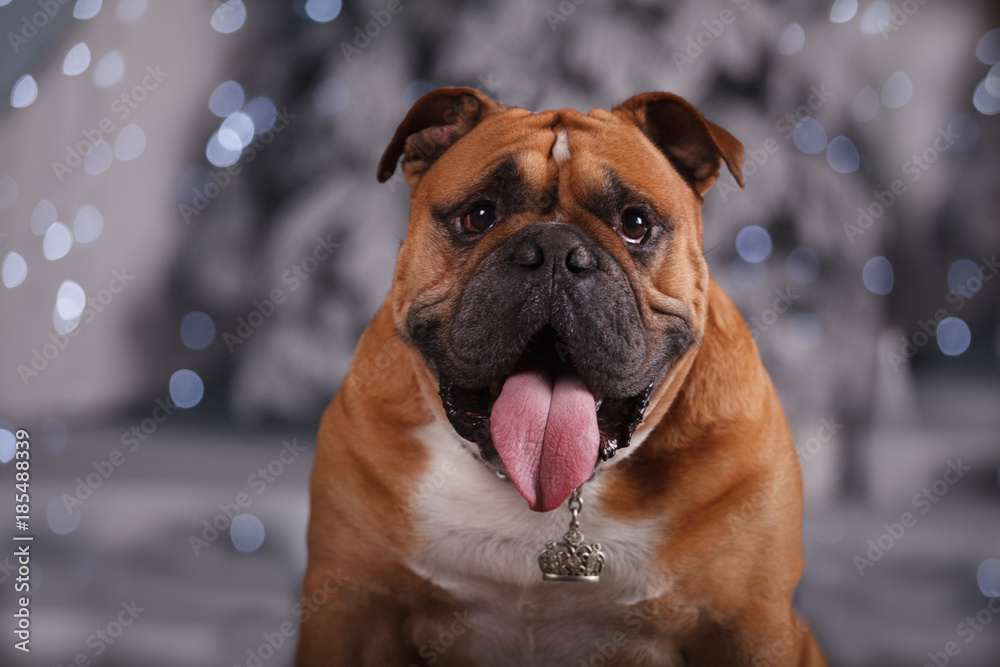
x=544 y=448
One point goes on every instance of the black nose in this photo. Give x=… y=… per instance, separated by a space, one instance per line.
x=557 y=248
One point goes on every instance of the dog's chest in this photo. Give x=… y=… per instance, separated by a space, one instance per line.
x=480 y=542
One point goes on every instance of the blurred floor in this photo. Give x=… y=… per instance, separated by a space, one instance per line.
x=134 y=543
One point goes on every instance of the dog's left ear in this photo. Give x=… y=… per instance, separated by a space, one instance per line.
x=434 y=123
x=695 y=146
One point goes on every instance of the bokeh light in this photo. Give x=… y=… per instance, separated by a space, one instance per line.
x=802 y=265
x=988 y=577
x=42 y=216
x=953 y=336
x=130 y=143
x=236 y=131
x=876 y=18
x=323 y=11
x=229 y=16
x=57 y=242
x=8 y=445
x=897 y=91
x=810 y=136
x=985 y=103
x=186 y=388
x=988 y=47
x=70 y=300
x=130 y=10
x=843 y=155
x=24 y=92
x=218 y=154
x=261 y=110
x=86 y=9
x=62 y=520
x=197 y=330
x=226 y=99
x=88 y=224
x=843 y=11
x=109 y=69
x=246 y=532
x=753 y=243
x=992 y=81
x=964 y=278
x=98 y=158
x=62 y=325
x=77 y=60
x=792 y=39
x=877 y=275
x=15 y=269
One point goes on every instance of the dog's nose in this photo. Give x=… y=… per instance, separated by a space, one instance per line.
x=555 y=247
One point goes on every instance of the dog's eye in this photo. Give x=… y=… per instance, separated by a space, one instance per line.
x=634 y=225
x=480 y=217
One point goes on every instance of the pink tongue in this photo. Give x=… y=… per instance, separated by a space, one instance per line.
x=546 y=435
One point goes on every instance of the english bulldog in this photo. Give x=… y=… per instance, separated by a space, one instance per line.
x=556 y=443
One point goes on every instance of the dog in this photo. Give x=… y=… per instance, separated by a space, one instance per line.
x=553 y=348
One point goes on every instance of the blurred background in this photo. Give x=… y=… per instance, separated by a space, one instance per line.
x=192 y=240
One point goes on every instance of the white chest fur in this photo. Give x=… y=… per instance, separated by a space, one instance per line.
x=481 y=543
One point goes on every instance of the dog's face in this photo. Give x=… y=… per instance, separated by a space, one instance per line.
x=553 y=272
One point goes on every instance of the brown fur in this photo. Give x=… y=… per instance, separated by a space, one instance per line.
x=719 y=456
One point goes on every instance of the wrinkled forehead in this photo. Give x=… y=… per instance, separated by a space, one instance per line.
x=555 y=155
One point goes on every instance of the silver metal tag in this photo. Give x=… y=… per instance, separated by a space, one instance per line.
x=571 y=559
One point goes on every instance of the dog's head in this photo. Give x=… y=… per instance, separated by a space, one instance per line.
x=553 y=273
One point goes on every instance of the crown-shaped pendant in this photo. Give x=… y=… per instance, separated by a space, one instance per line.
x=571 y=559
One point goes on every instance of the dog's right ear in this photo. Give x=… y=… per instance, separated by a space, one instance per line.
x=434 y=123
